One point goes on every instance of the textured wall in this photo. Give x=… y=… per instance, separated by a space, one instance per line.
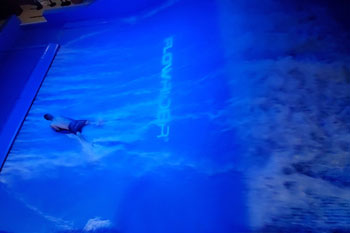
x=292 y=60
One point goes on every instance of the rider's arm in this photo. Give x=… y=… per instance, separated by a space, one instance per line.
x=54 y=127
x=60 y=130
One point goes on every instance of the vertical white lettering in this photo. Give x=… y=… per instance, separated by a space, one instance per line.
x=168 y=44
x=164 y=114
x=167 y=59
x=164 y=132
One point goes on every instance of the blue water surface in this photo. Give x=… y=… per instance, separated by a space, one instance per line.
x=208 y=117
x=129 y=174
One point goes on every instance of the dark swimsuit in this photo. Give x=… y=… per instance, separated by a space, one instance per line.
x=77 y=126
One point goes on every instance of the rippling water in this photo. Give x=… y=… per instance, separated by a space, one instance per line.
x=254 y=112
x=160 y=158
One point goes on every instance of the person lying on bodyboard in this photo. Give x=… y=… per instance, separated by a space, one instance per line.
x=70 y=126
x=66 y=125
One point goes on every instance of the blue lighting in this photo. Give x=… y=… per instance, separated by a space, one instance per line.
x=202 y=117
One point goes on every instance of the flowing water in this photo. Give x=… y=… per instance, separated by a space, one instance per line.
x=211 y=117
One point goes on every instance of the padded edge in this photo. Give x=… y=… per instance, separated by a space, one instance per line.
x=24 y=102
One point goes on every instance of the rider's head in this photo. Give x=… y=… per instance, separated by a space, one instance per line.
x=48 y=117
